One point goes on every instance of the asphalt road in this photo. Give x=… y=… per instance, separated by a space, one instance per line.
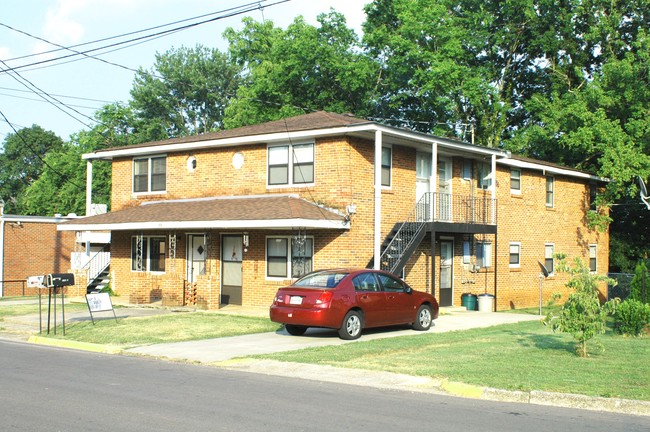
x=53 y=389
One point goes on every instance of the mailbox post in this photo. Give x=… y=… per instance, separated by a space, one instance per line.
x=53 y=281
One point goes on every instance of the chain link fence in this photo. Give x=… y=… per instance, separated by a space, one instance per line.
x=623 y=286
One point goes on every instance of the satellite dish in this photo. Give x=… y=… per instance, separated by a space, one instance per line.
x=644 y=193
x=543 y=268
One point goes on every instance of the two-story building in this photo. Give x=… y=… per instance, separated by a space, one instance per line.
x=230 y=216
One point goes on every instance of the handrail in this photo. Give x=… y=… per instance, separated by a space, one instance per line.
x=97 y=264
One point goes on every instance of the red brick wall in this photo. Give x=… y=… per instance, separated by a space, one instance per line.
x=343 y=176
x=34 y=249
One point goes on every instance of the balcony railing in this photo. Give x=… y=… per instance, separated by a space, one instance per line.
x=441 y=207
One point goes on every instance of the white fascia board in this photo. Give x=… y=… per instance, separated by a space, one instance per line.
x=226 y=142
x=291 y=136
x=35 y=219
x=234 y=224
x=550 y=169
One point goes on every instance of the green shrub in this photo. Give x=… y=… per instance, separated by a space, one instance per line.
x=631 y=317
x=639 y=287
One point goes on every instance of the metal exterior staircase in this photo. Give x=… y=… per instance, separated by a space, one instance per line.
x=98 y=271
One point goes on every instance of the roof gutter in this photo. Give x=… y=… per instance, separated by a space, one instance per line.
x=293 y=136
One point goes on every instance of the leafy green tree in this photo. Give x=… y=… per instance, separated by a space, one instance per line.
x=61 y=186
x=303 y=68
x=185 y=93
x=22 y=161
x=640 y=285
x=582 y=316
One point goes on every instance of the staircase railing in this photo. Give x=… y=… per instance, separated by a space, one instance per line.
x=406 y=234
x=97 y=264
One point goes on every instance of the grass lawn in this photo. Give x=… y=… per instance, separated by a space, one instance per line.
x=29 y=309
x=174 y=327
x=525 y=356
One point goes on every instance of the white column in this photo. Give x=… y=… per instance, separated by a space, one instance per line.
x=89 y=186
x=434 y=180
x=377 y=227
x=493 y=187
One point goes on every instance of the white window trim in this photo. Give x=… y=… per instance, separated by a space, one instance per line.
x=289 y=257
x=515 y=191
x=390 y=167
x=290 y=182
x=482 y=244
x=149 y=173
x=518 y=263
x=552 y=203
x=147 y=259
x=595 y=248
x=552 y=271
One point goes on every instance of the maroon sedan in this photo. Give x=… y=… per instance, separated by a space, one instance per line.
x=351 y=300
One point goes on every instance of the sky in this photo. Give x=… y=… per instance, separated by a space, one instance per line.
x=86 y=84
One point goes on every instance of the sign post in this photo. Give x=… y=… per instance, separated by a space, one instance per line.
x=99 y=302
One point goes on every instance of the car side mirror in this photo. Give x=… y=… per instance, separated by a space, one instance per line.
x=409 y=290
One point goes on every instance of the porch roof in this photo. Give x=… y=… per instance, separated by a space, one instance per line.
x=245 y=212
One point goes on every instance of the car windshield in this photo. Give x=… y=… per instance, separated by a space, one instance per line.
x=321 y=280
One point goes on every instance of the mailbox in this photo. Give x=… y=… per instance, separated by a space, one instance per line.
x=55 y=280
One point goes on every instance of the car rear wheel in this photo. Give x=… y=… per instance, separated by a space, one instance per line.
x=423 y=318
x=295 y=330
x=352 y=325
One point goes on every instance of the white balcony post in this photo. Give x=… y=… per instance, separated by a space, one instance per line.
x=434 y=180
x=493 y=187
x=377 y=227
x=89 y=186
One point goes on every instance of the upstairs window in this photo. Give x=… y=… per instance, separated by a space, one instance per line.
x=150 y=174
x=484 y=173
x=291 y=164
x=550 y=191
x=386 y=164
x=515 y=181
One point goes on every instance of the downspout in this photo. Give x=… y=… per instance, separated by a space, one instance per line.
x=89 y=186
x=434 y=188
x=493 y=188
x=377 y=227
x=2 y=248
x=89 y=200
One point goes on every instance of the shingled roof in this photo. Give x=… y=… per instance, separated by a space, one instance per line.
x=312 y=121
x=261 y=212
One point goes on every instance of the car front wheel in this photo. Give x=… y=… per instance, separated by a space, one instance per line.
x=295 y=330
x=352 y=325
x=423 y=318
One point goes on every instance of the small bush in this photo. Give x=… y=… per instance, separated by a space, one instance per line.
x=632 y=316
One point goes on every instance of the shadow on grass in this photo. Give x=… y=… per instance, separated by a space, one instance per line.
x=543 y=341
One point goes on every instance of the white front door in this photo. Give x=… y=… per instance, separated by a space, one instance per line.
x=423 y=184
x=232 y=256
x=444 y=189
x=196 y=253
x=446 y=297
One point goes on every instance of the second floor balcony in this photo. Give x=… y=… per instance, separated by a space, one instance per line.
x=455 y=209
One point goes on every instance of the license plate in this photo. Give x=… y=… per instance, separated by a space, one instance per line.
x=296 y=300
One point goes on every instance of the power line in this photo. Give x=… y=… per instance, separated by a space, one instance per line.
x=35 y=153
x=241 y=10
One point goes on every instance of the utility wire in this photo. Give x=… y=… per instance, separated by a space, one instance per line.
x=145 y=37
x=37 y=154
x=42 y=94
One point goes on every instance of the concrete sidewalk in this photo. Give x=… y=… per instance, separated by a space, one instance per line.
x=217 y=350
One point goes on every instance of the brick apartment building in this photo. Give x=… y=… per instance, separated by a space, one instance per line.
x=31 y=246
x=228 y=217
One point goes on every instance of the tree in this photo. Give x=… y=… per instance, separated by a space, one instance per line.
x=582 y=316
x=185 y=93
x=22 y=161
x=303 y=68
